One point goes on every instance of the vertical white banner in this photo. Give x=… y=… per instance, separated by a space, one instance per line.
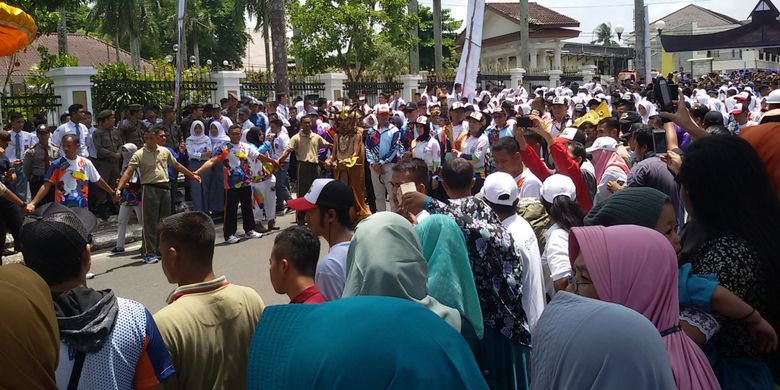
x=180 y=28
x=468 y=68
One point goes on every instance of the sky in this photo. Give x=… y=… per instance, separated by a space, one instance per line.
x=591 y=13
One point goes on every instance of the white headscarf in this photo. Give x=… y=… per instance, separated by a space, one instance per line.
x=202 y=135
x=649 y=110
x=221 y=138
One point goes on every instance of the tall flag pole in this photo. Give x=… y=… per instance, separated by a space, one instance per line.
x=468 y=68
x=180 y=27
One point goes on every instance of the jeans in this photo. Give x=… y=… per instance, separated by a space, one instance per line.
x=383 y=187
x=282 y=185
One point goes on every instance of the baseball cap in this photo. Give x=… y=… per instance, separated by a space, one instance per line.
x=500 y=188
x=232 y=95
x=737 y=109
x=476 y=115
x=559 y=100
x=53 y=222
x=411 y=106
x=327 y=193
x=627 y=119
x=579 y=107
x=603 y=143
x=773 y=97
x=713 y=118
x=422 y=120
x=243 y=111
x=557 y=185
x=383 y=109
x=104 y=114
x=742 y=96
x=457 y=106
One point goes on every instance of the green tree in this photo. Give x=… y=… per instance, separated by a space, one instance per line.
x=603 y=35
x=126 y=19
x=449 y=33
x=261 y=11
x=344 y=34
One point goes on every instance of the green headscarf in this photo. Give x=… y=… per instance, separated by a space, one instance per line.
x=631 y=206
x=450 y=279
x=385 y=259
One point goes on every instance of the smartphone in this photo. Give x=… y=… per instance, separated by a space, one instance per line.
x=674 y=92
x=663 y=95
x=524 y=121
x=659 y=142
x=408 y=187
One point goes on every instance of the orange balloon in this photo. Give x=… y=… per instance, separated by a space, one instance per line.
x=17 y=29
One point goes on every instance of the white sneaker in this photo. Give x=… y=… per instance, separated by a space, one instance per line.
x=232 y=240
x=253 y=234
x=90 y=275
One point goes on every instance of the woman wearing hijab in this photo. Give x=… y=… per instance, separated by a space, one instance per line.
x=609 y=165
x=582 y=343
x=450 y=279
x=646 y=110
x=215 y=191
x=727 y=191
x=31 y=339
x=395 y=344
x=129 y=200
x=699 y=294
x=385 y=259
x=636 y=267
x=199 y=150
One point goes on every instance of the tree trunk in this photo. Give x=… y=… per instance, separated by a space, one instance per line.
x=196 y=53
x=135 y=52
x=266 y=42
x=116 y=46
x=279 y=34
x=414 y=52
x=62 y=31
x=437 y=52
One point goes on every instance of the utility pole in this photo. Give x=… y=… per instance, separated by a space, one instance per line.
x=414 y=52
x=522 y=60
x=437 y=53
x=639 y=38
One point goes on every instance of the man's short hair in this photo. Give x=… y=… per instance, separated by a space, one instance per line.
x=610 y=123
x=14 y=115
x=458 y=174
x=234 y=126
x=72 y=137
x=644 y=136
x=279 y=96
x=415 y=167
x=74 y=108
x=506 y=144
x=300 y=247
x=192 y=233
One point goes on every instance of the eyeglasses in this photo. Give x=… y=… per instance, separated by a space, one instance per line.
x=576 y=283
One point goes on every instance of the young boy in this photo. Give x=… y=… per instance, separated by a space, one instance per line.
x=293 y=262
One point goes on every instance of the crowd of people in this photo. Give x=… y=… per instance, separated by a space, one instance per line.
x=582 y=236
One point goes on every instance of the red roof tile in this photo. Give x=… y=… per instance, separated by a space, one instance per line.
x=537 y=14
x=89 y=50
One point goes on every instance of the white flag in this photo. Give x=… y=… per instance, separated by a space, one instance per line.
x=468 y=69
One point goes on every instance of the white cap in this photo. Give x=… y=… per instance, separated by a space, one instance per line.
x=422 y=120
x=555 y=186
x=476 y=115
x=568 y=133
x=742 y=96
x=559 y=100
x=773 y=97
x=456 y=106
x=737 y=109
x=603 y=143
x=500 y=188
x=383 y=109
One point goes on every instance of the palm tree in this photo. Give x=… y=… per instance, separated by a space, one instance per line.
x=125 y=19
x=62 y=30
x=196 y=24
x=603 y=35
x=260 y=10
x=279 y=33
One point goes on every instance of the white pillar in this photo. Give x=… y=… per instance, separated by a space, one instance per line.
x=557 y=56
x=73 y=85
x=228 y=81
x=334 y=84
x=555 y=77
x=534 y=65
x=588 y=71
x=542 y=59
x=411 y=84
x=516 y=76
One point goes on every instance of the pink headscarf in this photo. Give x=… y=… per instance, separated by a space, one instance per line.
x=636 y=267
x=604 y=160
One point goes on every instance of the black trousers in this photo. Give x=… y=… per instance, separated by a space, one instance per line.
x=11 y=218
x=232 y=197
x=36 y=182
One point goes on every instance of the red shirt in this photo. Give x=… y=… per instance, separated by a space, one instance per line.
x=563 y=165
x=310 y=295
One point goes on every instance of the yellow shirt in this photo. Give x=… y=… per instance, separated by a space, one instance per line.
x=152 y=164
x=306 y=146
x=208 y=328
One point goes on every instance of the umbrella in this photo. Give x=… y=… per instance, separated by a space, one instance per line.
x=17 y=29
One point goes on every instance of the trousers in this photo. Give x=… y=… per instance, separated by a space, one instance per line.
x=383 y=187
x=264 y=199
x=155 y=206
x=232 y=198
x=122 y=221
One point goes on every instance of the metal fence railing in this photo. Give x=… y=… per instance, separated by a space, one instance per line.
x=43 y=106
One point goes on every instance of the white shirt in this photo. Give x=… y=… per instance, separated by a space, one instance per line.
x=245 y=127
x=555 y=259
x=428 y=151
x=531 y=187
x=331 y=274
x=422 y=215
x=279 y=144
x=602 y=190
x=283 y=112
x=396 y=103
x=26 y=141
x=71 y=128
x=527 y=248
x=456 y=130
x=91 y=144
x=477 y=148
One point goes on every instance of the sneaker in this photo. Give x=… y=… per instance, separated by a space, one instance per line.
x=118 y=250
x=272 y=225
x=253 y=234
x=90 y=275
x=232 y=240
x=151 y=259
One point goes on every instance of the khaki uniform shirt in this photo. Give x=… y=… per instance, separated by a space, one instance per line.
x=152 y=164
x=305 y=147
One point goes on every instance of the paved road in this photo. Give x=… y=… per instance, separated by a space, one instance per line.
x=244 y=263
